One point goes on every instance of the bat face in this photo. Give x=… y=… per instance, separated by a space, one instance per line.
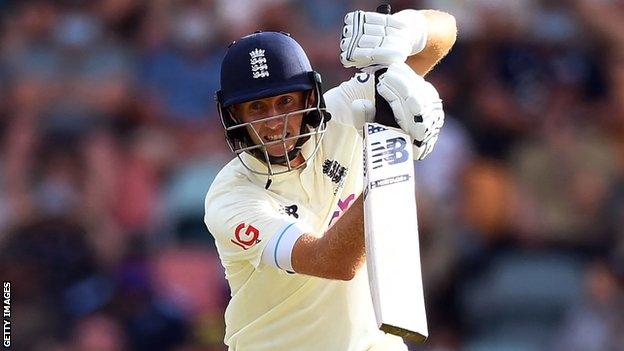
x=391 y=230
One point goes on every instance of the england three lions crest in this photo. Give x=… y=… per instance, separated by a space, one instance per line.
x=259 y=67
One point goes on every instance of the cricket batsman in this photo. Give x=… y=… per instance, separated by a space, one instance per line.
x=286 y=213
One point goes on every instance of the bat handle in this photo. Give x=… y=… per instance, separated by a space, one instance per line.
x=383 y=114
x=386 y=9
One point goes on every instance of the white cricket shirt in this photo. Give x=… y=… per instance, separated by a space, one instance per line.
x=271 y=309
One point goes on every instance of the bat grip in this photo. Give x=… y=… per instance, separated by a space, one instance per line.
x=383 y=111
x=386 y=9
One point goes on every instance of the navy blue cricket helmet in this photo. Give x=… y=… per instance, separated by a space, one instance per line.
x=261 y=65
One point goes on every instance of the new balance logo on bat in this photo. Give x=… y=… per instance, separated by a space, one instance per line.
x=391 y=153
x=372 y=129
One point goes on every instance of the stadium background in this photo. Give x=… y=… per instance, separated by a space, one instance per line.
x=110 y=140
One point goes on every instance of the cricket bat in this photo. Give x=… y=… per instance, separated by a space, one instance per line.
x=391 y=225
x=391 y=233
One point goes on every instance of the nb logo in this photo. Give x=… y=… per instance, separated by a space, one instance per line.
x=363 y=78
x=392 y=152
x=290 y=210
x=372 y=129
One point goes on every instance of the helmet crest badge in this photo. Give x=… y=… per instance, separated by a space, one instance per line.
x=259 y=67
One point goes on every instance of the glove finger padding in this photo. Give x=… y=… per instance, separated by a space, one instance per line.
x=403 y=70
x=382 y=56
x=344 y=44
x=416 y=106
x=392 y=38
x=348 y=19
x=365 y=52
x=347 y=32
x=374 y=29
x=369 y=41
x=402 y=81
x=375 y=18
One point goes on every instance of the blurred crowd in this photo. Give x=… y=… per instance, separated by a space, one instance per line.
x=110 y=139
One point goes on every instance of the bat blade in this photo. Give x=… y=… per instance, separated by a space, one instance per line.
x=391 y=231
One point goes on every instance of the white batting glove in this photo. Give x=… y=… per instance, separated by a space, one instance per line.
x=416 y=106
x=363 y=111
x=371 y=40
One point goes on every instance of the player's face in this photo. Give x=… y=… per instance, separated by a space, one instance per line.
x=272 y=131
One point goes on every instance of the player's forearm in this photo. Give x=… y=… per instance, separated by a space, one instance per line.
x=441 y=36
x=344 y=242
x=339 y=253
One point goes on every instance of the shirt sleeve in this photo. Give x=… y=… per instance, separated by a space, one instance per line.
x=244 y=221
x=339 y=99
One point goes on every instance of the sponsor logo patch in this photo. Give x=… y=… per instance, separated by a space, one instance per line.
x=246 y=236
